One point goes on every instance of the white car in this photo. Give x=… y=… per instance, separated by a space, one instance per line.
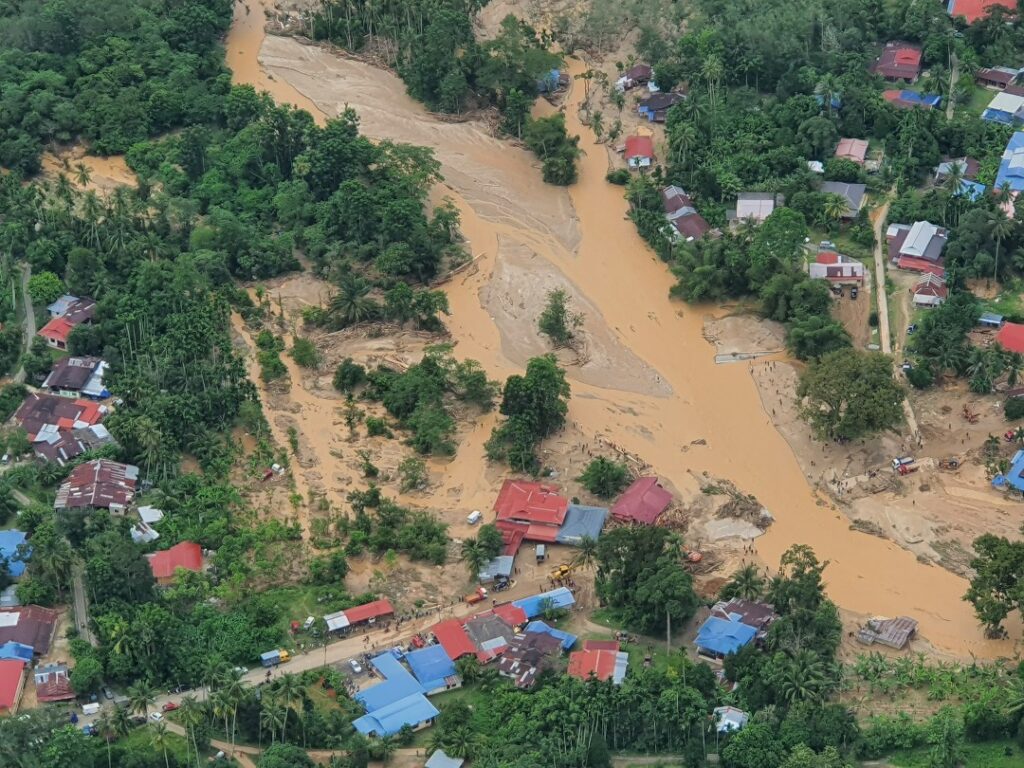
x=355 y=666
x=156 y=717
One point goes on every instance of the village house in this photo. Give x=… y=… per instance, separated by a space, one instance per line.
x=638 y=74
x=397 y=702
x=186 y=555
x=852 y=149
x=440 y=759
x=930 y=291
x=835 y=267
x=853 y=194
x=527 y=655
x=975 y=10
x=1011 y=337
x=917 y=248
x=53 y=683
x=656 y=106
x=1004 y=108
x=77 y=376
x=905 y=99
x=687 y=224
x=366 y=614
x=538 y=513
x=968 y=167
x=12 y=681
x=898 y=61
x=732 y=625
x=639 y=151
x=730 y=719
x=756 y=206
x=643 y=502
x=599 y=660
x=98 y=484
x=66 y=313
x=29 y=625
x=996 y=77
x=1011 y=166
x=60 y=428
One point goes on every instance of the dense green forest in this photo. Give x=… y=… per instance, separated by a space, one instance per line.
x=112 y=72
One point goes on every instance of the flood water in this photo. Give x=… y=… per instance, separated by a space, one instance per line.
x=600 y=252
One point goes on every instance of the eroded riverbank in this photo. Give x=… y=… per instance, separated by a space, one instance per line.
x=586 y=236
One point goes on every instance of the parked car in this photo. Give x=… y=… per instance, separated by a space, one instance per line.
x=241 y=670
x=170 y=706
x=911 y=328
x=853 y=292
x=156 y=717
x=355 y=666
x=108 y=694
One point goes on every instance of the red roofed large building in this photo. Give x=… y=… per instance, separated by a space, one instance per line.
x=974 y=10
x=643 y=502
x=12 y=680
x=535 y=509
x=187 y=555
x=99 y=484
x=899 y=61
x=639 y=151
x=1011 y=337
x=453 y=638
x=369 y=612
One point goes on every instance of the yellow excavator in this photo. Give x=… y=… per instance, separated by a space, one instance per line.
x=561 y=571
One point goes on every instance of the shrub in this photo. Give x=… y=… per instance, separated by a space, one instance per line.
x=1014 y=408
x=921 y=376
x=349 y=375
x=873 y=319
x=619 y=176
x=413 y=474
x=304 y=353
x=378 y=427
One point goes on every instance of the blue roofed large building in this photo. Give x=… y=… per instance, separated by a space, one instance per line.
x=432 y=668
x=394 y=703
x=535 y=605
x=1011 y=167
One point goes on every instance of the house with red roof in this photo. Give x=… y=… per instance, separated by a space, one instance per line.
x=368 y=613
x=975 y=10
x=836 y=268
x=66 y=313
x=534 y=508
x=918 y=247
x=12 y=681
x=165 y=564
x=599 y=660
x=898 y=61
x=852 y=149
x=643 y=502
x=1011 y=337
x=639 y=151
x=453 y=638
x=30 y=625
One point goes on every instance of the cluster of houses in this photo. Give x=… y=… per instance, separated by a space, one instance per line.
x=26 y=634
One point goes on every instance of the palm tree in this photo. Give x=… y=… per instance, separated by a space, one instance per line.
x=190 y=716
x=82 y=175
x=272 y=718
x=1001 y=227
x=140 y=696
x=289 y=689
x=351 y=304
x=468 y=668
x=222 y=708
x=834 y=208
x=746 y=583
x=159 y=739
x=387 y=748
x=1015 y=696
x=712 y=70
x=586 y=553
x=952 y=183
x=107 y=729
x=120 y=721
x=474 y=556
x=803 y=678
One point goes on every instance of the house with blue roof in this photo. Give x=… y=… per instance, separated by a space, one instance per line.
x=1011 y=166
x=433 y=670
x=568 y=639
x=1005 y=108
x=535 y=605
x=13 y=552
x=1014 y=476
x=16 y=651
x=394 y=703
x=971 y=190
x=719 y=637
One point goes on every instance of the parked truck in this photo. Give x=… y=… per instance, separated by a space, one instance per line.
x=476 y=597
x=273 y=658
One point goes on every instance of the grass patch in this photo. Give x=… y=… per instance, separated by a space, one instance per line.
x=997 y=754
x=298 y=602
x=471 y=695
x=1008 y=303
x=140 y=740
x=979 y=101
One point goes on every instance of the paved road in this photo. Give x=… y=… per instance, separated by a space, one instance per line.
x=30 y=318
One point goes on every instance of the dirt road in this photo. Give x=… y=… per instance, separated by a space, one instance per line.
x=30 y=319
x=584 y=234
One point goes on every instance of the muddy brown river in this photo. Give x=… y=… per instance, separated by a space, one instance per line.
x=583 y=236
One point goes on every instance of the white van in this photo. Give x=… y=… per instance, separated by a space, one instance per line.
x=308 y=623
x=90 y=709
x=474 y=517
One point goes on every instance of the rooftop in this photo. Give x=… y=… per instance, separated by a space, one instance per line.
x=38 y=411
x=898 y=60
x=431 y=667
x=721 y=637
x=643 y=502
x=852 y=149
x=756 y=205
x=531 y=503
x=639 y=146
x=30 y=625
x=974 y=10
x=1011 y=167
x=1011 y=337
x=72 y=373
x=369 y=611
x=894 y=633
x=10 y=541
x=11 y=671
x=98 y=484
x=186 y=554
x=556 y=598
x=853 y=194
x=598 y=664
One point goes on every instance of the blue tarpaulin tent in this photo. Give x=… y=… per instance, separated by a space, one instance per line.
x=719 y=637
x=9 y=543
x=431 y=666
x=536 y=604
x=568 y=640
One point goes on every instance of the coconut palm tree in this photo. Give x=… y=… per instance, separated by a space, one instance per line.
x=746 y=583
x=803 y=679
x=159 y=738
x=474 y=556
x=140 y=697
x=272 y=718
x=289 y=690
x=105 y=726
x=833 y=209
x=190 y=715
x=82 y=175
x=1015 y=696
x=586 y=553
x=1001 y=227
